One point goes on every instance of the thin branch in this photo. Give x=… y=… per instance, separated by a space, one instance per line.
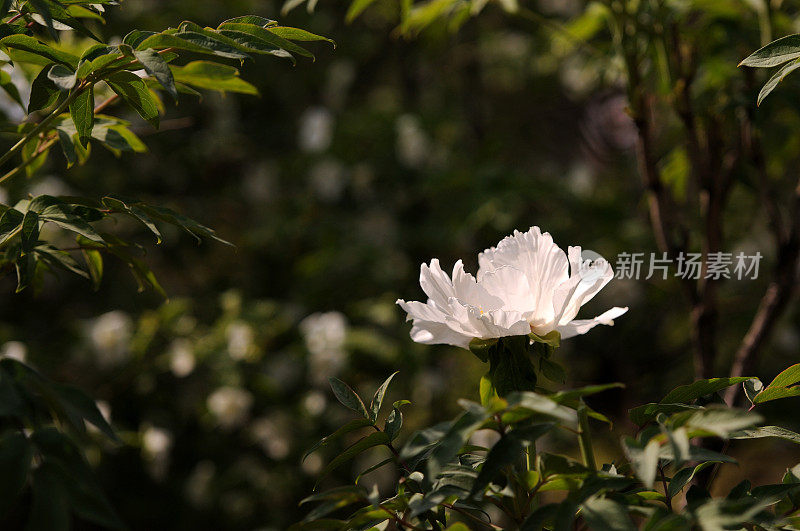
x=773 y=302
x=102 y=106
x=44 y=124
x=44 y=146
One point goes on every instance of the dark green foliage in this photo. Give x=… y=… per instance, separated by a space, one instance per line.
x=443 y=476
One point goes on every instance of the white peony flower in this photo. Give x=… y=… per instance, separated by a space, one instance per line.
x=525 y=284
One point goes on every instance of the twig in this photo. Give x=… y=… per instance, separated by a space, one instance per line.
x=773 y=302
x=102 y=106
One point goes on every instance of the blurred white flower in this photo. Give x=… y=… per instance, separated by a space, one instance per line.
x=156 y=441
x=230 y=406
x=316 y=130
x=198 y=486
x=156 y=444
x=312 y=465
x=324 y=335
x=110 y=335
x=181 y=357
x=270 y=436
x=49 y=185
x=314 y=403
x=327 y=180
x=240 y=339
x=525 y=284
x=15 y=350
x=412 y=143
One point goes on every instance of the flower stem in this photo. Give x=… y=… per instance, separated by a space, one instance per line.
x=585 y=438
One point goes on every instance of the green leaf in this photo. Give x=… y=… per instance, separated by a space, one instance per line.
x=54 y=258
x=762 y=432
x=775 y=53
x=722 y=421
x=641 y=415
x=752 y=388
x=135 y=93
x=156 y=66
x=350 y=427
x=370 y=441
x=70 y=469
x=552 y=338
x=82 y=112
x=480 y=347
x=44 y=93
x=67 y=147
x=786 y=378
x=266 y=36
x=394 y=422
x=643 y=459
x=63 y=216
x=540 y=404
x=297 y=34
x=50 y=507
x=348 y=398
x=213 y=76
x=563 y=397
x=79 y=407
x=187 y=224
x=456 y=436
x=121 y=205
x=16 y=455
x=94 y=263
x=508 y=451
x=776 y=393
x=10 y=88
x=63 y=77
x=356 y=8
x=213 y=42
x=252 y=19
x=25 y=49
x=10 y=224
x=773 y=82
x=119 y=137
x=30 y=230
x=687 y=393
x=603 y=513
x=698 y=454
x=684 y=476
x=375 y=467
x=377 y=399
x=552 y=371
x=5 y=6
x=511 y=368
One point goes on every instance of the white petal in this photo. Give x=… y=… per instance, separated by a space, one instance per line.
x=509 y=285
x=540 y=259
x=435 y=283
x=586 y=279
x=420 y=310
x=581 y=326
x=470 y=292
x=431 y=333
